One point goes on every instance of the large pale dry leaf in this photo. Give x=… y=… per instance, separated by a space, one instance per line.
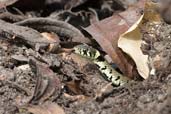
x=130 y=41
x=107 y=32
x=46 y=108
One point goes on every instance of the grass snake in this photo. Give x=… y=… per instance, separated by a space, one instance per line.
x=105 y=68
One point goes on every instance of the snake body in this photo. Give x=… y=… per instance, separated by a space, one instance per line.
x=105 y=68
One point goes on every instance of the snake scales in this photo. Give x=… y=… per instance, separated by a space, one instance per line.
x=105 y=68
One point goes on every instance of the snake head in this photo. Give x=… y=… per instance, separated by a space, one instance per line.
x=86 y=51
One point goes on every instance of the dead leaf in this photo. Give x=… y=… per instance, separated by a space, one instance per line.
x=80 y=61
x=74 y=86
x=130 y=42
x=24 y=34
x=51 y=36
x=61 y=28
x=48 y=85
x=53 y=47
x=104 y=91
x=77 y=98
x=107 y=32
x=46 y=108
x=5 y=3
x=164 y=9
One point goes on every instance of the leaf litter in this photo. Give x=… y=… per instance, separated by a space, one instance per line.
x=130 y=42
x=70 y=84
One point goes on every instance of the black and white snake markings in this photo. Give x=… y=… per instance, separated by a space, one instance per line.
x=105 y=68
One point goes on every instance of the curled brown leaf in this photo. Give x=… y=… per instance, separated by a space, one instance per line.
x=108 y=31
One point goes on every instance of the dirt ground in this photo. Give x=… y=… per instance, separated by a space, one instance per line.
x=82 y=83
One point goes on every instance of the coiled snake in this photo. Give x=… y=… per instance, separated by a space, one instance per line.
x=105 y=68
